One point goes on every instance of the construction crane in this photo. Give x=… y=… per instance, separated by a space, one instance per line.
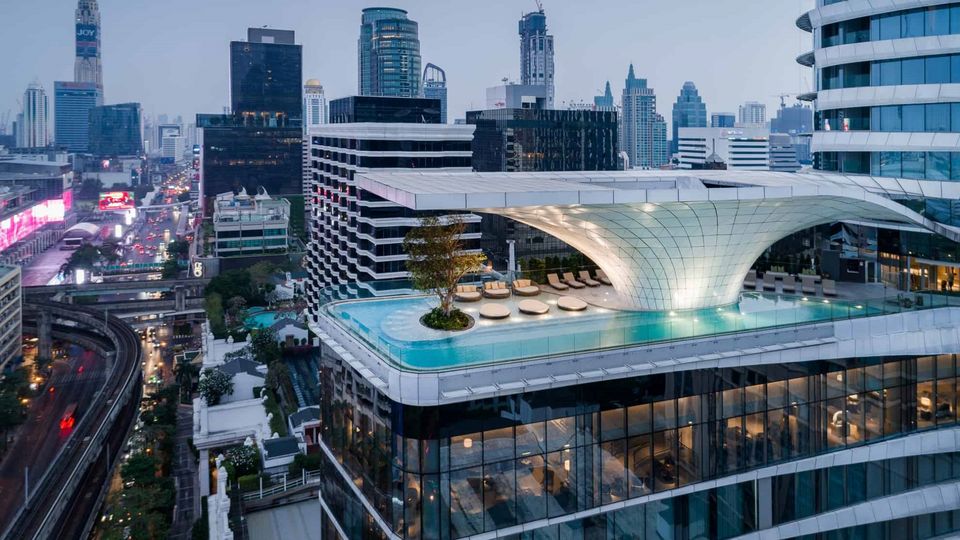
x=783 y=103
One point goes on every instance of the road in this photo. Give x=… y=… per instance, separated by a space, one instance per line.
x=185 y=471
x=39 y=439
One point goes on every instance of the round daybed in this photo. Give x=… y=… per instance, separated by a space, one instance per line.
x=532 y=307
x=571 y=303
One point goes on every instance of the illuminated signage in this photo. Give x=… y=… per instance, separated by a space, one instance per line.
x=198 y=269
x=116 y=200
x=19 y=226
x=87 y=40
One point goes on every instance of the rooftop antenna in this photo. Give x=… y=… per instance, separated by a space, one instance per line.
x=539 y=5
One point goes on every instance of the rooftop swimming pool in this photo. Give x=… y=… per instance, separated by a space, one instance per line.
x=260 y=318
x=391 y=327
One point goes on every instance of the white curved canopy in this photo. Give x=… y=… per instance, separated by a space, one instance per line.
x=667 y=239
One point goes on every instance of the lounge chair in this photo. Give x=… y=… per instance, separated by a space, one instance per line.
x=495 y=289
x=554 y=282
x=602 y=277
x=494 y=311
x=586 y=279
x=750 y=282
x=829 y=287
x=769 y=281
x=467 y=293
x=808 y=284
x=572 y=281
x=532 y=307
x=525 y=287
x=790 y=284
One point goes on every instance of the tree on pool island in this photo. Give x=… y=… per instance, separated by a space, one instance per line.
x=437 y=262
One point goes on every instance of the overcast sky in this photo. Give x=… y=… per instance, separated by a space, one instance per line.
x=172 y=55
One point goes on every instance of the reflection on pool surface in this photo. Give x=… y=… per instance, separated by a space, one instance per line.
x=264 y=319
x=391 y=326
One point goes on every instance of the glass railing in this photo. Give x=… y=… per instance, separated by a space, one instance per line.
x=409 y=346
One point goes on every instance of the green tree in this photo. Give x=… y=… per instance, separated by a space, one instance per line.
x=185 y=372
x=214 y=384
x=264 y=346
x=278 y=380
x=141 y=469
x=178 y=249
x=11 y=413
x=170 y=268
x=213 y=305
x=85 y=257
x=437 y=260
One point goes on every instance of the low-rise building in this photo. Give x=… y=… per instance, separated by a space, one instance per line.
x=745 y=149
x=250 y=225
x=10 y=316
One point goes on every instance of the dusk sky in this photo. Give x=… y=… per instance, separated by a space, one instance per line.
x=172 y=56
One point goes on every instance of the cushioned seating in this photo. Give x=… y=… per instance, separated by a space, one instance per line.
x=602 y=277
x=532 y=307
x=494 y=311
x=495 y=289
x=572 y=281
x=586 y=279
x=467 y=293
x=571 y=303
x=555 y=282
x=525 y=287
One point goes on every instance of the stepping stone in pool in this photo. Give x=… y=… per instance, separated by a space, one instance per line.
x=571 y=303
x=532 y=307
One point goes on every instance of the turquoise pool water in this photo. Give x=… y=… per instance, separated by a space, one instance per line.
x=391 y=327
x=263 y=319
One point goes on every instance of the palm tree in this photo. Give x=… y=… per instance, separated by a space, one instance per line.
x=185 y=372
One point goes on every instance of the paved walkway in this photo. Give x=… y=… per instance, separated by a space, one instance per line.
x=185 y=474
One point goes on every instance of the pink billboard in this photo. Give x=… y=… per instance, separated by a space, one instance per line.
x=23 y=224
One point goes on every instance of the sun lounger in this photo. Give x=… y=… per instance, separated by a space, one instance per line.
x=602 y=277
x=495 y=289
x=769 y=281
x=790 y=284
x=467 y=293
x=525 y=287
x=808 y=284
x=494 y=311
x=532 y=307
x=572 y=281
x=586 y=279
x=750 y=282
x=829 y=287
x=554 y=282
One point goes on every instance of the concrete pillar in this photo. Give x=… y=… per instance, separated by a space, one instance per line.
x=45 y=331
x=203 y=470
x=180 y=296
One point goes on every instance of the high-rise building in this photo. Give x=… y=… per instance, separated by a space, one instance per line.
x=643 y=133
x=435 y=87
x=116 y=130
x=87 y=68
x=32 y=130
x=266 y=78
x=536 y=53
x=356 y=236
x=388 y=54
x=784 y=156
x=72 y=104
x=753 y=114
x=11 y=338
x=688 y=111
x=744 y=149
x=605 y=102
x=794 y=120
x=314 y=104
x=723 y=120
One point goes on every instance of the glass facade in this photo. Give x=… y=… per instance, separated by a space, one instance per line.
x=266 y=80
x=389 y=54
x=938 y=69
x=944 y=166
x=926 y=21
x=393 y=110
x=72 y=104
x=463 y=469
x=688 y=111
x=115 y=130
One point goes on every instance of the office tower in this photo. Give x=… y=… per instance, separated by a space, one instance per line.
x=691 y=410
x=784 y=155
x=314 y=104
x=794 y=120
x=357 y=236
x=605 y=102
x=87 y=68
x=266 y=78
x=643 y=133
x=723 y=120
x=688 y=111
x=435 y=87
x=536 y=53
x=32 y=128
x=73 y=102
x=115 y=130
x=388 y=54
x=745 y=149
x=753 y=114
x=517 y=96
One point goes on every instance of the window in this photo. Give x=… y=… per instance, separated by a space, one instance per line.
x=938 y=117
x=937 y=21
x=912 y=71
x=889 y=73
x=912 y=25
x=913 y=164
x=890 y=118
x=889 y=26
x=937 y=69
x=913 y=118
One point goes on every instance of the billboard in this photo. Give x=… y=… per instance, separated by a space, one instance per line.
x=86 y=40
x=111 y=201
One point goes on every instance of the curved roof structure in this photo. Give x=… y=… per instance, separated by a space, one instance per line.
x=82 y=230
x=669 y=239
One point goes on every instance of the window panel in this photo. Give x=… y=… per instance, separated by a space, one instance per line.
x=531 y=439
x=466 y=501
x=561 y=482
x=499 y=495
x=938 y=166
x=890 y=118
x=613 y=486
x=640 y=465
x=937 y=69
x=912 y=24
x=913 y=165
x=914 y=117
x=937 y=21
x=638 y=419
x=561 y=433
x=612 y=424
x=664 y=415
x=938 y=117
x=889 y=72
x=889 y=26
x=531 y=474
x=912 y=70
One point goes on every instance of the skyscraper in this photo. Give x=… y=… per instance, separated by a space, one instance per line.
x=388 y=54
x=266 y=78
x=688 y=111
x=753 y=114
x=723 y=120
x=32 y=130
x=73 y=102
x=87 y=68
x=643 y=132
x=435 y=87
x=604 y=102
x=115 y=130
x=314 y=104
x=536 y=53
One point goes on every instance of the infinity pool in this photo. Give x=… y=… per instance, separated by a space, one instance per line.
x=391 y=327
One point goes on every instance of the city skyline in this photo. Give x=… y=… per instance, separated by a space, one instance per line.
x=586 y=54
